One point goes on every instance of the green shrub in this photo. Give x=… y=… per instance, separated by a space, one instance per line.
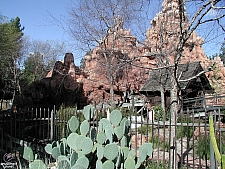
x=161 y=144
x=182 y=130
x=159 y=114
x=185 y=131
x=144 y=129
x=160 y=165
x=202 y=147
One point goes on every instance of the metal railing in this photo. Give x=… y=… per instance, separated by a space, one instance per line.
x=190 y=148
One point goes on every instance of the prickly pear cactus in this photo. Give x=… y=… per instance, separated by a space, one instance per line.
x=105 y=146
x=115 y=117
x=89 y=112
x=36 y=164
x=73 y=124
x=28 y=154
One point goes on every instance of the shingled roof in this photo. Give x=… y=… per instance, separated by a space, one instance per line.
x=162 y=78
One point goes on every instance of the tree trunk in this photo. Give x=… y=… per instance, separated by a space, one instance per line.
x=163 y=103
x=173 y=121
x=112 y=92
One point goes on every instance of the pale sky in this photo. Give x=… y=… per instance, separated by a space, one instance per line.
x=34 y=15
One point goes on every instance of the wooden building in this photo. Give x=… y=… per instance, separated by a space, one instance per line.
x=160 y=82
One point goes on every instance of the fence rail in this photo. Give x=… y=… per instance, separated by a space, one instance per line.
x=190 y=147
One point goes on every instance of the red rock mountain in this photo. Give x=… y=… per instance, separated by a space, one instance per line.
x=163 y=34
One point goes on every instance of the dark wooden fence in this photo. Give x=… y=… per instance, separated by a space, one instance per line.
x=190 y=148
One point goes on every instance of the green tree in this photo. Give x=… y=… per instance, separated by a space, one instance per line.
x=222 y=52
x=11 y=34
x=34 y=68
x=40 y=59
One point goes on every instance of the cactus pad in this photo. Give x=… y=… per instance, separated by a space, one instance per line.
x=62 y=148
x=124 y=141
x=88 y=112
x=119 y=132
x=71 y=140
x=125 y=124
x=73 y=158
x=62 y=158
x=108 y=165
x=84 y=127
x=28 y=154
x=104 y=123
x=125 y=152
x=64 y=164
x=78 y=167
x=86 y=145
x=83 y=161
x=115 y=117
x=129 y=163
x=99 y=164
x=79 y=141
x=131 y=154
x=73 y=124
x=111 y=151
x=101 y=137
x=145 y=150
x=37 y=164
x=100 y=151
x=109 y=133
x=55 y=152
x=48 y=148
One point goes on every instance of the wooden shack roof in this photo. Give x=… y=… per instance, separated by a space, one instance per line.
x=162 y=78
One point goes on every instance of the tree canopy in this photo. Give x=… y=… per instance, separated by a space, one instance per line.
x=39 y=59
x=11 y=33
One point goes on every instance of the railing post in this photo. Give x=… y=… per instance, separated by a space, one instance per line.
x=52 y=126
x=204 y=101
x=11 y=131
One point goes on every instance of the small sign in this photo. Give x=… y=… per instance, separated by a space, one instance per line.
x=9 y=161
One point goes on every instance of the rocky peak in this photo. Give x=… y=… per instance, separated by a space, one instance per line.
x=164 y=27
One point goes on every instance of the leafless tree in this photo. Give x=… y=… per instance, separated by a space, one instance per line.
x=99 y=23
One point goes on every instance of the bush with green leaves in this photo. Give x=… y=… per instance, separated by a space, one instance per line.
x=145 y=129
x=161 y=144
x=105 y=146
x=158 y=165
x=182 y=130
x=160 y=114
